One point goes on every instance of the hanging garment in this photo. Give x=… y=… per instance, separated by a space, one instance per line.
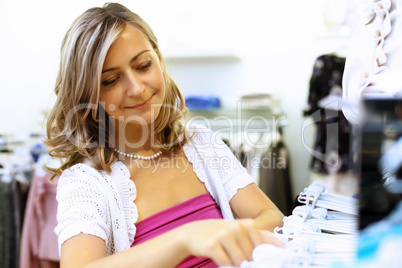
x=39 y=248
x=7 y=228
x=14 y=187
x=374 y=61
x=324 y=107
x=274 y=176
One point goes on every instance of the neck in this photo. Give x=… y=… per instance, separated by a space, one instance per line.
x=135 y=138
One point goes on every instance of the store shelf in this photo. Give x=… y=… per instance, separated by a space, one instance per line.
x=202 y=56
x=254 y=120
x=192 y=58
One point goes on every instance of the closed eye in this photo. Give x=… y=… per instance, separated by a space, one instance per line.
x=145 y=67
x=111 y=82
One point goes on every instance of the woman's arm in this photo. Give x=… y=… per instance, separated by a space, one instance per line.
x=251 y=202
x=90 y=251
x=227 y=243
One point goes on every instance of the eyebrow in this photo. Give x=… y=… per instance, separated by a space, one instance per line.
x=131 y=61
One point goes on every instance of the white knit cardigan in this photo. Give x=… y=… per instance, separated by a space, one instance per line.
x=101 y=204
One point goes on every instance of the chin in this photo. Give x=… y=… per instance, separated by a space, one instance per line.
x=142 y=120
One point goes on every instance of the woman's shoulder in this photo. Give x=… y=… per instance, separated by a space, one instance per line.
x=83 y=168
x=85 y=173
x=198 y=133
x=79 y=175
x=203 y=137
x=197 y=128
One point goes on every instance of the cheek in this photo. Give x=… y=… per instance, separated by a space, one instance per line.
x=108 y=102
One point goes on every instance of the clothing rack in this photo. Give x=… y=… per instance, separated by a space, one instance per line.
x=267 y=161
x=16 y=168
x=23 y=190
x=39 y=247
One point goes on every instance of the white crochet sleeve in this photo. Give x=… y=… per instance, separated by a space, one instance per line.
x=82 y=207
x=233 y=174
x=218 y=162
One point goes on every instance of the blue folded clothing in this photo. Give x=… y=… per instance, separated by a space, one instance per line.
x=202 y=102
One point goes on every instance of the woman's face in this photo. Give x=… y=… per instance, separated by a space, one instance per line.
x=132 y=84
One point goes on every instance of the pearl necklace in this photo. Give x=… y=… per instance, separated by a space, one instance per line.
x=136 y=156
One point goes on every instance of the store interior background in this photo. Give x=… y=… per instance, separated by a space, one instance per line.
x=225 y=48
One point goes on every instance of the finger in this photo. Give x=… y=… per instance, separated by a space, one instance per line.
x=254 y=233
x=245 y=242
x=277 y=242
x=232 y=246
x=269 y=238
x=220 y=256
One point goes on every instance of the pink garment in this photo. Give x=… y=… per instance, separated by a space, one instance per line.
x=197 y=208
x=39 y=246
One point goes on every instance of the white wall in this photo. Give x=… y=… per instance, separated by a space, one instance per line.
x=276 y=41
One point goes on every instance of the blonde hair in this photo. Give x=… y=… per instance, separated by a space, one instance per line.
x=77 y=127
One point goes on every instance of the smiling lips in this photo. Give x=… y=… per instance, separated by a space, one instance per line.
x=141 y=105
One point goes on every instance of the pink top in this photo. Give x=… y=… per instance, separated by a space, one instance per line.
x=198 y=208
x=38 y=240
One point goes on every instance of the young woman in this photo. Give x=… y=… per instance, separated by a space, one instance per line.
x=138 y=188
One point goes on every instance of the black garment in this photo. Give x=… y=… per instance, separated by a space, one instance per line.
x=13 y=195
x=7 y=242
x=275 y=177
x=375 y=204
x=327 y=75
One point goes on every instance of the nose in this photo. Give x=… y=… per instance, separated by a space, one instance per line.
x=134 y=86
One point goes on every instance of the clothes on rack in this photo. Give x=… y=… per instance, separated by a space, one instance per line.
x=274 y=176
x=15 y=177
x=324 y=107
x=8 y=229
x=267 y=161
x=39 y=246
x=27 y=205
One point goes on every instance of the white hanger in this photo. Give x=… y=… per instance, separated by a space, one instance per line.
x=314 y=236
x=315 y=196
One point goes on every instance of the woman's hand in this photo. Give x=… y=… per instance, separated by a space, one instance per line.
x=269 y=238
x=227 y=243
